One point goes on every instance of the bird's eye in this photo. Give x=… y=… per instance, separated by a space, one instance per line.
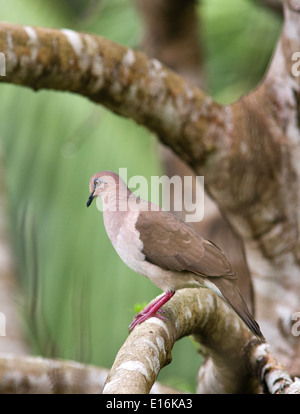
x=97 y=182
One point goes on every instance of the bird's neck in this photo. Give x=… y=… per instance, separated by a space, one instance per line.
x=116 y=199
x=115 y=210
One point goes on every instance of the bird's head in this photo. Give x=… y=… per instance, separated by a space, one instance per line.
x=105 y=183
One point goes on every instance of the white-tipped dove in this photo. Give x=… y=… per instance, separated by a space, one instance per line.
x=160 y=246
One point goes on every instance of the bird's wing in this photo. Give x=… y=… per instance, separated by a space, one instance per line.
x=172 y=244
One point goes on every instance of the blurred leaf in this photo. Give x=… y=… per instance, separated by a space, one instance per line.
x=138 y=307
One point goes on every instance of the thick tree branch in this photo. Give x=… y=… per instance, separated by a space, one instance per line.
x=274 y=378
x=238 y=362
x=195 y=312
x=36 y=375
x=125 y=81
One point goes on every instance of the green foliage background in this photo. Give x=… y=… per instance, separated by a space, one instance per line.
x=78 y=296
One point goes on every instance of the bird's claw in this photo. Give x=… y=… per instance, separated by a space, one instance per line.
x=151 y=310
x=139 y=318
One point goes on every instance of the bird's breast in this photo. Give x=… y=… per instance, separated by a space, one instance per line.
x=120 y=228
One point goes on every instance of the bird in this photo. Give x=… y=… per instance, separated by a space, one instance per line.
x=160 y=246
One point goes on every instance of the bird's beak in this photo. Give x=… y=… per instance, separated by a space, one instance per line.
x=91 y=198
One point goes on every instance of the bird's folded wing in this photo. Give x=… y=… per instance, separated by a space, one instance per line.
x=172 y=244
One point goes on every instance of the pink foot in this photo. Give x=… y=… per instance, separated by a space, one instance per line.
x=152 y=310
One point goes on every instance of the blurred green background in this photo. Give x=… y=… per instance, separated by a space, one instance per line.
x=78 y=296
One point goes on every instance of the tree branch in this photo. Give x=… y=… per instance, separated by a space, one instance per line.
x=36 y=375
x=238 y=363
x=274 y=378
x=195 y=312
x=125 y=81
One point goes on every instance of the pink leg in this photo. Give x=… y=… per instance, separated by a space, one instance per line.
x=151 y=310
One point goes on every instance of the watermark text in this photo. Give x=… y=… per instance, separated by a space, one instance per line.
x=172 y=193
x=296 y=324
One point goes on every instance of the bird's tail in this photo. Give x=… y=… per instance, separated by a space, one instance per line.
x=233 y=297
